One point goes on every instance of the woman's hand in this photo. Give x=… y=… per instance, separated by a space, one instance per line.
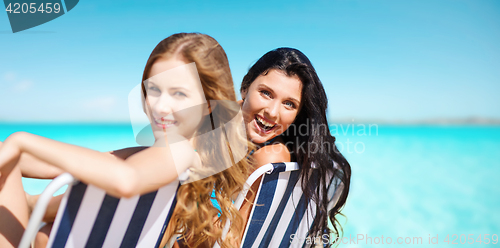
x=9 y=156
x=34 y=168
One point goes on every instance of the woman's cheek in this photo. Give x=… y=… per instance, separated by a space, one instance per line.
x=289 y=120
x=152 y=101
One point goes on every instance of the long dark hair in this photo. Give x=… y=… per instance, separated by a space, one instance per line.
x=320 y=169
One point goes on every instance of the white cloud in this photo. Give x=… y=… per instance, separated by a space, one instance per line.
x=23 y=86
x=101 y=104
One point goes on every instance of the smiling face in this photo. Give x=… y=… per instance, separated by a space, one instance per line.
x=174 y=98
x=270 y=105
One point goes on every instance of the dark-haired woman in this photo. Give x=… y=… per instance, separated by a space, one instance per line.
x=284 y=106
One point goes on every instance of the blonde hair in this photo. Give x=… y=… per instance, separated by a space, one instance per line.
x=195 y=217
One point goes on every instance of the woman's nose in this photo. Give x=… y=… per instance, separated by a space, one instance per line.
x=273 y=110
x=163 y=106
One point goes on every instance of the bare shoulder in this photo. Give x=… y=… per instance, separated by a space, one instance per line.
x=273 y=153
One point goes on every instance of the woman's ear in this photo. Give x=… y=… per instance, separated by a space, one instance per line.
x=143 y=100
x=243 y=96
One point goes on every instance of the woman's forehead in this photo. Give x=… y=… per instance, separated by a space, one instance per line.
x=281 y=83
x=165 y=64
x=174 y=73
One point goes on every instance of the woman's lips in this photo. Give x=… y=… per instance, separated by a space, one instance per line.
x=261 y=129
x=164 y=124
x=265 y=121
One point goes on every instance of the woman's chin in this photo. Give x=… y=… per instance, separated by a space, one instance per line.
x=259 y=139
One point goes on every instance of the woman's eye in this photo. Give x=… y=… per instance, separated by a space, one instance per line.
x=178 y=93
x=152 y=88
x=290 y=104
x=266 y=93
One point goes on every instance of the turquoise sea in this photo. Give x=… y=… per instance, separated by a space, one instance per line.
x=416 y=185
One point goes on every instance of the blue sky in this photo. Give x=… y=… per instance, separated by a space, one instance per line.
x=386 y=60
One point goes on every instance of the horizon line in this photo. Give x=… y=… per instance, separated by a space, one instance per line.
x=474 y=121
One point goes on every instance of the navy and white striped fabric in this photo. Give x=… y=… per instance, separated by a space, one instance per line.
x=281 y=216
x=88 y=217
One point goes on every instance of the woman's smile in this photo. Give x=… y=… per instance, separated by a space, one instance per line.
x=164 y=123
x=264 y=124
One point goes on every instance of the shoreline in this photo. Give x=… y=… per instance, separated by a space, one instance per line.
x=422 y=122
x=345 y=121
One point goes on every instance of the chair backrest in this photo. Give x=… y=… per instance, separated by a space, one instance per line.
x=281 y=216
x=88 y=217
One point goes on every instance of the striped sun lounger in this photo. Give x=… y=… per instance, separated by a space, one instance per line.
x=281 y=216
x=88 y=217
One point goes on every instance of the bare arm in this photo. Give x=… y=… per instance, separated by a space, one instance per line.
x=34 y=168
x=143 y=172
x=53 y=206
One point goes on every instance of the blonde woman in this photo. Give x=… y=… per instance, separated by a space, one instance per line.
x=169 y=86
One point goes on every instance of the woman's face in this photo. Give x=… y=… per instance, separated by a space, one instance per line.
x=270 y=105
x=175 y=99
